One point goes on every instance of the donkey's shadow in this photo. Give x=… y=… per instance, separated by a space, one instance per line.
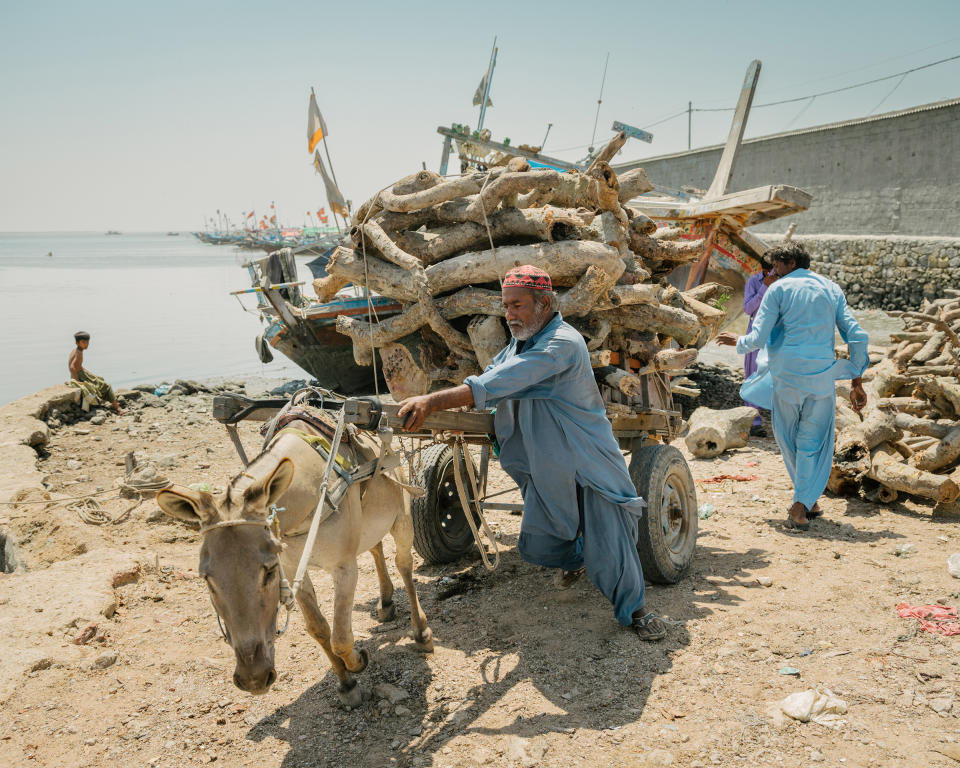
x=502 y=635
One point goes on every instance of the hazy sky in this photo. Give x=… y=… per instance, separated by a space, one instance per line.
x=148 y=116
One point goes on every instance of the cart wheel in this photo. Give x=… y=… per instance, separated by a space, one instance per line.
x=440 y=530
x=668 y=528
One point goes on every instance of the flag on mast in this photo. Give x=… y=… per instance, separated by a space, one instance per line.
x=337 y=203
x=481 y=89
x=316 y=128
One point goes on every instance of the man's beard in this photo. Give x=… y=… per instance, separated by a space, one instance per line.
x=522 y=332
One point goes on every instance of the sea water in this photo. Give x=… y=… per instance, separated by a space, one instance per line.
x=158 y=307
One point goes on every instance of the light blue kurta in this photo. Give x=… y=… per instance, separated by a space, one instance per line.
x=796 y=322
x=554 y=436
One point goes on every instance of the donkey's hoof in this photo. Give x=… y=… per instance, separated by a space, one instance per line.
x=424 y=642
x=387 y=612
x=351 y=697
x=364 y=661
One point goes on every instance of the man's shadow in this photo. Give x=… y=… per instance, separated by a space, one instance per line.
x=552 y=661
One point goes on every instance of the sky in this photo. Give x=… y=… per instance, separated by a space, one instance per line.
x=141 y=116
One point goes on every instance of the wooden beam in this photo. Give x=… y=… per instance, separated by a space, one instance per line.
x=509 y=150
x=721 y=178
x=773 y=200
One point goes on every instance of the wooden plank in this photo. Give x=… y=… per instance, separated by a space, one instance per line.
x=359 y=412
x=774 y=199
x=510 y=150
x=721 y=178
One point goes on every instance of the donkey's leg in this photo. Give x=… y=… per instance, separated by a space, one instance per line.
x=402 y=532
x=387 y=610
x=319 y=630
x=342 y=642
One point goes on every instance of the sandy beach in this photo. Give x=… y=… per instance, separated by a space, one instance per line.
x=113 y=654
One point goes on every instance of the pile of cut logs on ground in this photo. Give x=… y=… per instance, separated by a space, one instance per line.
x=909 y=438
x=440 y=246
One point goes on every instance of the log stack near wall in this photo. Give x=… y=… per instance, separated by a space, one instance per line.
x=909 y=439
x=441 y=247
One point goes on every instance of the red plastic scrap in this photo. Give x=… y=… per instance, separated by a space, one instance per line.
x=721 y=478
x=935 y=619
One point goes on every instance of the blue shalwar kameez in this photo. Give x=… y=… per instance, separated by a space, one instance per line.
x=796 y=323
x=557 y=444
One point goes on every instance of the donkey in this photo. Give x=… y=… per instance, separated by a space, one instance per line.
x=243 y=561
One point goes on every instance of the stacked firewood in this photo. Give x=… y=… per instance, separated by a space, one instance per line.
x=441 y=246
x=909 y=438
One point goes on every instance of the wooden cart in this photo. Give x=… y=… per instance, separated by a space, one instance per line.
x=644 y=428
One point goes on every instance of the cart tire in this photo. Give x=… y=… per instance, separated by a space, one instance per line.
x=668 y=529
x=440 y=530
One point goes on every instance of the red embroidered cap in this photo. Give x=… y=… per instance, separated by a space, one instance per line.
x=528 y=276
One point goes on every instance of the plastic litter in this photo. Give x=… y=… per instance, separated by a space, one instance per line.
x=201 y=487
x=706 y=511
x=161 y=390
x=953 y=565
x=905 y=549
x=815 y=705
x=793 y=671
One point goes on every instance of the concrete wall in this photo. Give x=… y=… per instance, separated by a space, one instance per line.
x=897 y=173
x=892 y=272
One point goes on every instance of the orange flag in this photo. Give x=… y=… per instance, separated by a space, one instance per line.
x=316 y=128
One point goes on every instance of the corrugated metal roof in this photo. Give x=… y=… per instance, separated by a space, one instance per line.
x=934 y=105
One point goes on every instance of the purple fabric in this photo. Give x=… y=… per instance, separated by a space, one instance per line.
x=753 y=293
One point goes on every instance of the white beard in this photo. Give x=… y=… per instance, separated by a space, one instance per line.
x=522 y=332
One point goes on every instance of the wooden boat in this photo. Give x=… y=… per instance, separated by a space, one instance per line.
x=305 y=332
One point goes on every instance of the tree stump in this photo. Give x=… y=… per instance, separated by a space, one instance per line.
x=711 y=432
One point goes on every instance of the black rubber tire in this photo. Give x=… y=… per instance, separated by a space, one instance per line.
x=668 y=529
x=440 y=530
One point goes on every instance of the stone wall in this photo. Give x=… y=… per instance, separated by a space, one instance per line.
x=896 y=173
x=884 y=272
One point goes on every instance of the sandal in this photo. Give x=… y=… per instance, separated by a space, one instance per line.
x=791 y=523
x=649 y=627
x=566 y=579
x=815 y=512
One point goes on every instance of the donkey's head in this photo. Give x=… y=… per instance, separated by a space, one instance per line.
x=239 y=560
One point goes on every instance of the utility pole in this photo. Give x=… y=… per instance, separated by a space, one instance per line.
x=689 y=122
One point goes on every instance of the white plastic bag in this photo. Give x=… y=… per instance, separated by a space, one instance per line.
x=815 y=705
x=953 y=565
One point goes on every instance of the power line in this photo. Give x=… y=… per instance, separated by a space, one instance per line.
x=837 y=90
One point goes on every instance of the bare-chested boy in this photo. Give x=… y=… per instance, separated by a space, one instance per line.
x=90 y=381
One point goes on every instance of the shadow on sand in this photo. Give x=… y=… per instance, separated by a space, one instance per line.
x=498 y=635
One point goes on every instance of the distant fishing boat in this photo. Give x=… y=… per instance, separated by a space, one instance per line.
x=113 y=232
x=173 y=234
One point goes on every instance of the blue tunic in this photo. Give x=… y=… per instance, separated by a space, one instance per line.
x=555 y=440
x=796 y=323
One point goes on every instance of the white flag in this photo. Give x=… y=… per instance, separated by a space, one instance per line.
x=337 y=203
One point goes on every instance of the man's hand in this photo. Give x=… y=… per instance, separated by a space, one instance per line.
x=770 y=278
x=858 y=398
x=726 y=339
x=415 y=409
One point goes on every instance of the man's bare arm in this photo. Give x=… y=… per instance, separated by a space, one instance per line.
x=416 y=409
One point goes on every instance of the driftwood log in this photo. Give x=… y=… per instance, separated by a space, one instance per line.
x=440 y=247
x=711 y=432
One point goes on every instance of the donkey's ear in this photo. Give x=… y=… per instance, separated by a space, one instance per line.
x=273 y=486
x=187 y=504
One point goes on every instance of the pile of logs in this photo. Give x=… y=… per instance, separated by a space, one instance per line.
x=440 y=246
x=909 y=438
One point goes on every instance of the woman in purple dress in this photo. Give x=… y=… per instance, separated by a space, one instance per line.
x=753 y=294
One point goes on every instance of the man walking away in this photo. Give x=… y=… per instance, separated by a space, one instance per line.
x=580 y=508
x=94 y=388
x=796 y=323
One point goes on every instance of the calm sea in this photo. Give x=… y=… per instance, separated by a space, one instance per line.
x=157 y=307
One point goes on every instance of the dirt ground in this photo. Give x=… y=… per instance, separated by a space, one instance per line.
x=522 y=675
